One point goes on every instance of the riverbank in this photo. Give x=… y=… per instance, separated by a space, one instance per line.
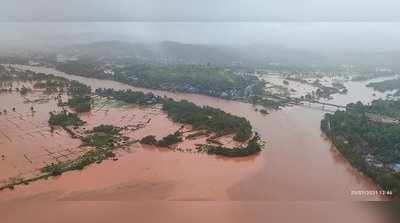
x=370 y=144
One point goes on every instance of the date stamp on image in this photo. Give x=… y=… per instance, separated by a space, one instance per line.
x=371 y=193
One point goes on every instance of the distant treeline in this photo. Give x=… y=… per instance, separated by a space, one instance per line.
x=387 y=85
x=201 y=79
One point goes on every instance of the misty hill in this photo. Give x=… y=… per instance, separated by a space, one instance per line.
x=168 y=52
x=250 y=56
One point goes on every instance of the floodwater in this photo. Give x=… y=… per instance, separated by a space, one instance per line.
x=299 y=177
x=28 y=143
x=359 y=90
x=26 y=140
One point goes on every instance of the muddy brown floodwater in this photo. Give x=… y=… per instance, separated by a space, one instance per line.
x=299 y=177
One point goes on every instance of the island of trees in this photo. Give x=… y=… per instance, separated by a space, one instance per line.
x=387 y=85
x=369 y=137
x=65 y=119
x=208 y=118
x=253 y=147
x=200 y=118
x=80 y=99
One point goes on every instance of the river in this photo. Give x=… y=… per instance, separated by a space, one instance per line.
x=299 y=177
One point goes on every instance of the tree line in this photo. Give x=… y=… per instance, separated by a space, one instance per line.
x=371 y=146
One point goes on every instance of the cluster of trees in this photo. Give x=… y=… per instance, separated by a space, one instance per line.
x=208 y=118
x=80 y=104
x=92 y=156
x=164 y=142
x=253 y=147
x=102 y=138
x=76 y=88
x=80 y=99
x=129 y=96
x=149 y=140
x=51 y=85
x=387 y=85
x=107 y=129
x=326 y=92
x=201 y=118
x=24 y=90
x=170 y=139
x=65 y=119
x=371 y=146
x=389 y=108
x=82 y=67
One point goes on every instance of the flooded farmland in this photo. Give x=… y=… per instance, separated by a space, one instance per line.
x=299 y=170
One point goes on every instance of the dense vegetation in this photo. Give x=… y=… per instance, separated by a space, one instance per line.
x=128 y=96
x=254 y=146
x=80 y=99
x=149 y=140
x=170 y=139
x=101 y=137
x=389 y=108
x=387 y=85
x=371 y=146
x=200 y=79
x=80 y=104
x=65 y=119
x=165 y=141
x=81 y=67
x=208 y=118
x=76 y=89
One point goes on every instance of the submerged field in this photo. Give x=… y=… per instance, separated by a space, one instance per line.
x=26 y=140
x=33 y=146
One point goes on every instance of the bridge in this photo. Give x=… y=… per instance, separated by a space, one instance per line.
x=325 y=104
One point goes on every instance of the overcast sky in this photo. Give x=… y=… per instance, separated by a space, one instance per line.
x=201 y=10
x=309 y=24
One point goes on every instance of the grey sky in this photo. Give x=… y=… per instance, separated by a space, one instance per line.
x=313 y=36
x=200 y=10
x=309 y=24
